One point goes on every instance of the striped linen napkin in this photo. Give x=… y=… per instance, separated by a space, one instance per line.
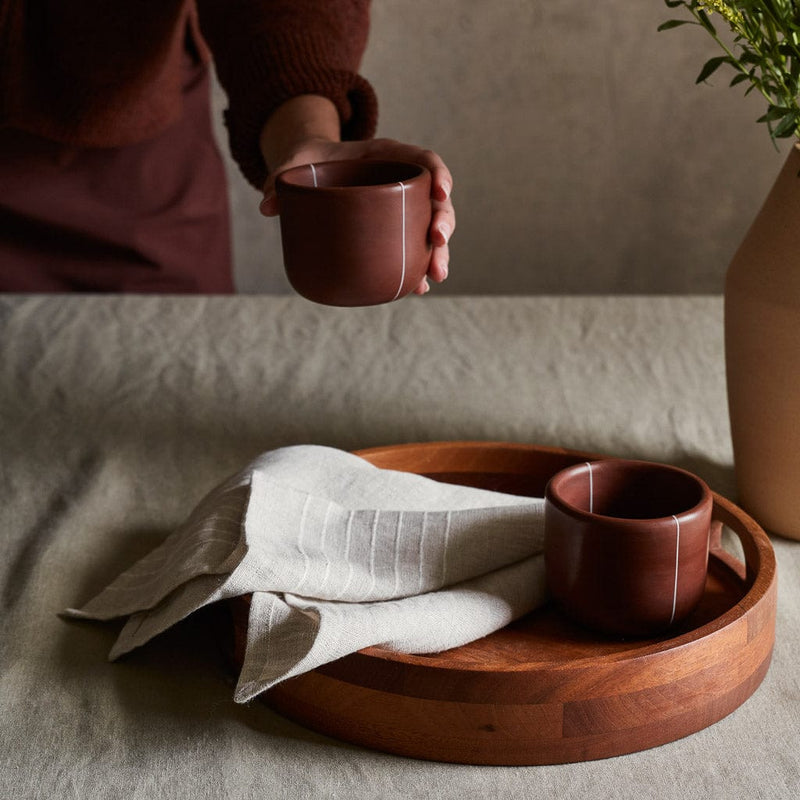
x=338 y=555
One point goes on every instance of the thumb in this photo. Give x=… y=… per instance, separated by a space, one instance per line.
x=269 y=203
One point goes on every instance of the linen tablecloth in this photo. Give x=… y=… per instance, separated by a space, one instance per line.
x=118 y=414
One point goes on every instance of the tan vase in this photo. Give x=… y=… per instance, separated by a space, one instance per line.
x=762 y=344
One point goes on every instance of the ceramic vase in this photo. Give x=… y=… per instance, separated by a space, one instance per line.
x=762 y=350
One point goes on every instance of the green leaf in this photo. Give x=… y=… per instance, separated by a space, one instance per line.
x=710 y=67
x=750 y=58
x=787 y=49
x=740 y=78
x=775 y=112
x=674 y=23
x=706 y=22
x=786 y=127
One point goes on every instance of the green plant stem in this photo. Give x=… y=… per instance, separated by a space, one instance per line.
x=769 y=24
x=734 y=60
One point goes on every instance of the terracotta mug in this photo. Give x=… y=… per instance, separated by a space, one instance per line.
x=355 y=233
x=626 y=544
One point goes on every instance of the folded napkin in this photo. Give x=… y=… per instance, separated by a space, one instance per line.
x=338 y=555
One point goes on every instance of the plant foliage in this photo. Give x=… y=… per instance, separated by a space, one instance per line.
x=764 y=53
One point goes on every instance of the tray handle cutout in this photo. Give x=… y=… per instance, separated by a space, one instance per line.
x=754 y=542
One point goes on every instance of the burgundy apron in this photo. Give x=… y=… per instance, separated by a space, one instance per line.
x=151 y=217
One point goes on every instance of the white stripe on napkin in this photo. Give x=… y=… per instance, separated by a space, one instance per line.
x=382 y=547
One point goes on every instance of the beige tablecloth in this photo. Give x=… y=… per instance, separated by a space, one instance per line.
x=118 y=414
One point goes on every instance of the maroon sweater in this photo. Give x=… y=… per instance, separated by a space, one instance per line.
x=103 y=73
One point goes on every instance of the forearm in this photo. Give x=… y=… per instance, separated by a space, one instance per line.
x=296 y=122
x=267 y=52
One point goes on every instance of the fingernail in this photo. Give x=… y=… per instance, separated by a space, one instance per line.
x=445 y=271
x=446 y=188
x=444 y=230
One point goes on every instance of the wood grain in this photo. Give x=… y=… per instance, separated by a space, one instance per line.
x=543 y=690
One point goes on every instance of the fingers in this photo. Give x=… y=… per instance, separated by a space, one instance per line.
x=423 y=287
x=439 y=265
x=443 y=223
x=441 y=178
x=443 y=220
x=441 y=184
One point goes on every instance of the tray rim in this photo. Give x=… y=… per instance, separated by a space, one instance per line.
x=725 y=511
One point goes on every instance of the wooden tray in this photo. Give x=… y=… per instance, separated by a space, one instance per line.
x=542 y=690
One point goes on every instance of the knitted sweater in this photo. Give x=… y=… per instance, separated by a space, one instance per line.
x=102 y=73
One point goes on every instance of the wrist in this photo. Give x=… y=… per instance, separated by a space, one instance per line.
x=296 y=122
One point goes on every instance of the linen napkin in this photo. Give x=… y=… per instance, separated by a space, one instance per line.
x=338 y=555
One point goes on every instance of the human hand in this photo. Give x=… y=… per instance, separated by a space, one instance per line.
x=283 y=153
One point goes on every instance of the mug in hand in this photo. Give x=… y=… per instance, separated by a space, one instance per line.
x=355 y=233
x=626 y=544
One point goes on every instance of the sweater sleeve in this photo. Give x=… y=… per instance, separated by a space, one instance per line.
x=268 y=51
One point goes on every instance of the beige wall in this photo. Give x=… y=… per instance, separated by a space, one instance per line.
x=585 y=158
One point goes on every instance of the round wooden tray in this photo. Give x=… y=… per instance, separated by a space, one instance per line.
x=542 y=690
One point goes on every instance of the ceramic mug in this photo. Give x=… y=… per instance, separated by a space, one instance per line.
x=626 y=544
x=355 y=233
